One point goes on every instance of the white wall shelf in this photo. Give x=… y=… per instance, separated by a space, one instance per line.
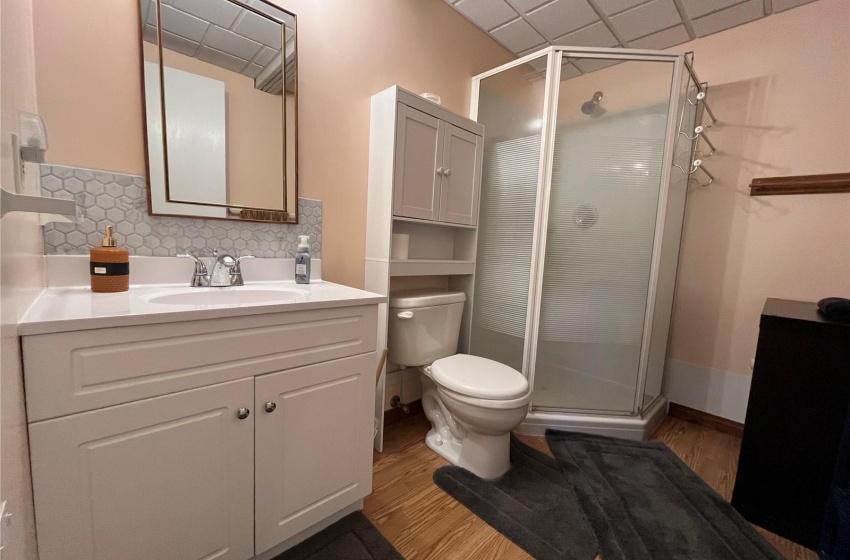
x=430 y=267
x=432 y=223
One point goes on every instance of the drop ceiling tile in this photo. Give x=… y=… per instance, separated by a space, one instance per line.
x=219 y=12
x=646 y=19
x=518 y=36
x=252 y=70
x=611 y=7
x=562 y=17
x=265 y=56
x=231 y=43
x=663 y=39
x=730 y=17
x=183 y=24
x=525 y=6
x=486 y=14
x=569 y=71
x=179 y=44
x=699 y=8
x=260 y=29
x=782 y=5
x=592 y=64
x=596 y=35
x=149 y=34
x=221 y=59
x=146 y=8
x=539 y=64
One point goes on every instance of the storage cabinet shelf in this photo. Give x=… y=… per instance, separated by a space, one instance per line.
x=430 y=267
x=404 y=219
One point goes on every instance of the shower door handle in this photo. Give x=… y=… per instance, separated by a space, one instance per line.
x=447 y=172
x=439 y=171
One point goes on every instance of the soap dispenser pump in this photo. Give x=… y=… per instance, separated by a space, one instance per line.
x=302 y=260
x=109 y=266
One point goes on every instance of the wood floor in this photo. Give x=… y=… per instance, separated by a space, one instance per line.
x=421 y=521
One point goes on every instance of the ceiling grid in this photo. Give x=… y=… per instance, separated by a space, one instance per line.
x=525 y=26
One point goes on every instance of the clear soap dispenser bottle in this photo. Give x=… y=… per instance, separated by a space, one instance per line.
x=302 y=260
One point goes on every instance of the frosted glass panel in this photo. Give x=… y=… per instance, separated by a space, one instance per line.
x=669 y=262
x=608 y=156
x=511 y=107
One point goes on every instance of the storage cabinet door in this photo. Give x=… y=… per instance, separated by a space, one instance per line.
x=417 y=182
x=462 y=158
x=314 y=447
x=168 y=477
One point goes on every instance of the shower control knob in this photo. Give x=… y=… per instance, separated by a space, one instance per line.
x=270 y=406
x=243 y=413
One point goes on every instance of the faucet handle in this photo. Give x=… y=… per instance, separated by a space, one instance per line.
x=236 y=272
x=200 y=277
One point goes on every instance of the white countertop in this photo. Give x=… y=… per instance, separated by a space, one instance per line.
x=61 y=309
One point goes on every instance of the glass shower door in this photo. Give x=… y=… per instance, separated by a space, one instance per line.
x=510 y=105
x=610 y=131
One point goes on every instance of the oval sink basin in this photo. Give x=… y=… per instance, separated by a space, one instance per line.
x=229 y=296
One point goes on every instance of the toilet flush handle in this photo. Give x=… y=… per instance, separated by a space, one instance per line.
x=405 y=315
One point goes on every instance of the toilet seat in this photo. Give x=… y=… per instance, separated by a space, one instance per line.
x=479 y=379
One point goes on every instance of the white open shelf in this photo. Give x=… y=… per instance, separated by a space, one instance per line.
x=430 y=267
x=432 y=223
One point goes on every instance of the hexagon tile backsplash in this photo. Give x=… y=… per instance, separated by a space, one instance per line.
x=118 y=199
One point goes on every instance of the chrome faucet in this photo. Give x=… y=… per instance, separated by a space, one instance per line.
x=226 y=271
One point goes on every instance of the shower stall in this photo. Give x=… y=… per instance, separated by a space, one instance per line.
x=587 y=162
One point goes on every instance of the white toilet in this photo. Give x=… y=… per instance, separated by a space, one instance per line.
x=473 y=403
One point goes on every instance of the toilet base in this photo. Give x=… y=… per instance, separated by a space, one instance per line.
x=485 y=456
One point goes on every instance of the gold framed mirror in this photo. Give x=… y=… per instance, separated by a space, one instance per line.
x=221 y=109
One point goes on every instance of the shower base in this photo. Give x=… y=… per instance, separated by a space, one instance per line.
x=626 y=427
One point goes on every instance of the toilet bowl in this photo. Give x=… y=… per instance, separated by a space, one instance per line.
x=472 y=403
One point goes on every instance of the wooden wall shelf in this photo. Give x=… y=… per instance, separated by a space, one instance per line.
x=801 y=184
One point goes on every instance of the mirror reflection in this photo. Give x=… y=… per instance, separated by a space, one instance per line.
x=220 y=79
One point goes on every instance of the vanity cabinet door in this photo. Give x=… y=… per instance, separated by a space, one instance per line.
x=314 y=430
x=168 y=477
x=417 y=164
x=462 y=158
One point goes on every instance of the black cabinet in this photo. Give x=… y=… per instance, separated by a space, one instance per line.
x=795 y=424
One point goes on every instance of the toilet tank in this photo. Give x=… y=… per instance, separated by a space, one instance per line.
x=424 y=325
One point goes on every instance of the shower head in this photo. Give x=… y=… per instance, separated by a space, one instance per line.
x=588 y=107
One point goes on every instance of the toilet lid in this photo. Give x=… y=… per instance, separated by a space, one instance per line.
x=479 y=377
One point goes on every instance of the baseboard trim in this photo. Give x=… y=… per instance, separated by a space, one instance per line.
x=396 y=415
x=706 y=419
x=721 y=393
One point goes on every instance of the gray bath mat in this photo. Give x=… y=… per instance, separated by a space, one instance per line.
x=533 y=505
x=351 y=538
x=640 y=502
x=644 y=503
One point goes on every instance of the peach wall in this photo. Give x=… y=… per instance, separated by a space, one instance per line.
x=21 y=278
x=781 y=86
x=347 y=52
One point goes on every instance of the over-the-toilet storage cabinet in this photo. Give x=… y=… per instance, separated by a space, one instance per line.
x=198 y=439
x=425 y=165
x=436 y=169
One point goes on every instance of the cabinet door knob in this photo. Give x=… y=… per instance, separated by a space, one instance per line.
x=242 y=413
x=439 y=171
x=270 y=406
x=447 y=172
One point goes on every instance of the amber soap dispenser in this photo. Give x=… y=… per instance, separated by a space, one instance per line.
x=110 y=266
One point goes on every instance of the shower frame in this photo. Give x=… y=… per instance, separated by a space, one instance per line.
x=643 y=418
